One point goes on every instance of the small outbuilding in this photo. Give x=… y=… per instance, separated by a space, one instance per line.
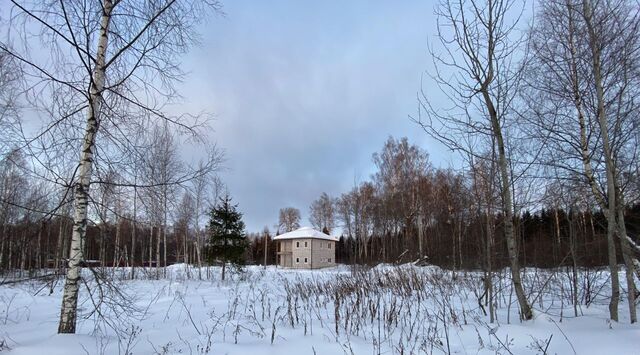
x=306 y=248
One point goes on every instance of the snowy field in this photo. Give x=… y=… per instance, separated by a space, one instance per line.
x=385 y=310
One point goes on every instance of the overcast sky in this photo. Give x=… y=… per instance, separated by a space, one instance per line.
x=306 y=91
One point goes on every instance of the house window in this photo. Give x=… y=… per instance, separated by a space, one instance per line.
x=329 y=259
x=329 y=245
x=305 y=244
x=297 y=244
x=297 y=260
x=305 y=260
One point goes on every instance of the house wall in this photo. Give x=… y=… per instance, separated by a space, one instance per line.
x=301 y=252
x=324 y=253
x=316 y=252
x=285 y=253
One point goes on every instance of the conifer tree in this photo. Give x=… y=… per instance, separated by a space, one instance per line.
x=227 y=239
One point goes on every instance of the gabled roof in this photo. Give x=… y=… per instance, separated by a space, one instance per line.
x=305 y=232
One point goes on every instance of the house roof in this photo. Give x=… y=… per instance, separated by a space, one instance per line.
x=305 y=232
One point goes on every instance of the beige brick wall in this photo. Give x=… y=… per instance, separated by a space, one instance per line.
x=310 y=253
x=324 y=253
x=316 y=253
x=300 y=253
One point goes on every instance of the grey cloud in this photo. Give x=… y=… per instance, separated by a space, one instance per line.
x=305 y=92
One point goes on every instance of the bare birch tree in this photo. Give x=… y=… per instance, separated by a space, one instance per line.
x=600 y=32
x=111 y=61
x=479 y=74
x=288 y=219
x=322 y=213
x=581 y=96
x=9 y=119
x=164 y=168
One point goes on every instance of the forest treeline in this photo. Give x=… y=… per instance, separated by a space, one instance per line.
x=417 y=212
x=438 y=216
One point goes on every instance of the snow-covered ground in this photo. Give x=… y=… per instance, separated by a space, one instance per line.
x=385 y=310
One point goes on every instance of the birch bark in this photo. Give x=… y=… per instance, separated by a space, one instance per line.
x=507 y=209
x=68 y=312
x=586 y=162
x=610 y=168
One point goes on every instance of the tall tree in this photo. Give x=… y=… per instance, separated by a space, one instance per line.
x=227 y=239
x=9 y=118
x=288 y=219
x=184 y=216
x=401 y=165
x=322 y=213
x=111 y=61
x=203 y=185
x=582 y=93
x=165 y=168
x=598 y=37
x=13 y=188
x=480 y=46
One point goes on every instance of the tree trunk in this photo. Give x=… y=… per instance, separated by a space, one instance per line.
x=608 y=157
x=158 y=254
x=150 y=245
x=266 y=248
x=38 y=264
x=627 y=257
x=60 y=243
x=574 y=262
x=585 y=152
x=23 y=252
x=68 y=312
x=103 y=244
x=198 y=253
x=420 y=235
x=2 y=243
x=117 y=255
x=507 y=209
x=164 y=236
x=186 y=251
x=460 y=243
x=558 y=246
x=133 y=234
x=488 y=282
x=10 y=252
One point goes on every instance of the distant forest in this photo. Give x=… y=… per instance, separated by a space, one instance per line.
x=409 y=211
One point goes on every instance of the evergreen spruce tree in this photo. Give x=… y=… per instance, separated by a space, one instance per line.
x=227 y=240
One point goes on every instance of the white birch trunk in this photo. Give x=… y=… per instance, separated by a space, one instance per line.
x=198 y=245
x=133 y=232
x=627 y=257
x=68 y=312
x=150 y=245
x=158 y=253
x=117 y=255
x=604 y=132
x=507 y=209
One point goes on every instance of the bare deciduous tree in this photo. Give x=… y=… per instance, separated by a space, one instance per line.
x=113 y=61
x=480 y=46
x=288 y=219
x=581 y=96
x=322 y=214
